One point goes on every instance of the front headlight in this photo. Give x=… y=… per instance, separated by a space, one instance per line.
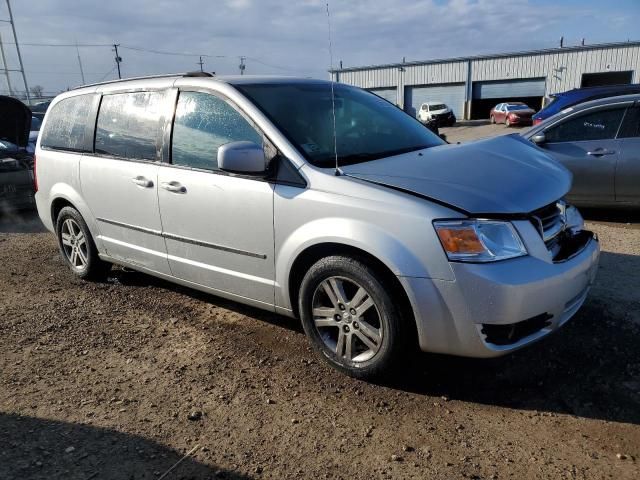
x=479 y=240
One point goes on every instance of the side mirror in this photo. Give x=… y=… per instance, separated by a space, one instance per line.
x=242 y=157
x=539 y=138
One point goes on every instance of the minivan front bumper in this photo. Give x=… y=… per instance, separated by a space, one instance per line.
x=494 y=308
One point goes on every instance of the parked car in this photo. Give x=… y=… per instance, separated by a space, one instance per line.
x=34 y=131
x=560 y=101
x=377 y=234
x=438 y=111
x=512 y=113
x=599 y=141
x=16 y=177
x=39 y=109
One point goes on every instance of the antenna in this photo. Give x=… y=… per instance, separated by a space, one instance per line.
x=338 y=172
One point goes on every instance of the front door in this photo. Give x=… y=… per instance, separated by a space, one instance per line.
x=586 y=144
x=628 y=172
x=218 y=227
x=119 y=181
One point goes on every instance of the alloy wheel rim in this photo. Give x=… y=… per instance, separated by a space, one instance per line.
x=347 y=319
x=74 y=244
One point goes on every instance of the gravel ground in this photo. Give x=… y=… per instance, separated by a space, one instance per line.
x=122 y=379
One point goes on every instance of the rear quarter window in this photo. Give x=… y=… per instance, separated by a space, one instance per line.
x=66 y=124
x=130 y=125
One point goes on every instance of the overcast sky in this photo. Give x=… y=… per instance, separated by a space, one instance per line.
x=290 y=37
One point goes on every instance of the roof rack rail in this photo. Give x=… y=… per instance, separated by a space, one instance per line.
x=146 y=77
x=198 y=73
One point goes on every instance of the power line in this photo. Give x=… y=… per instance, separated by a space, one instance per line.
x=61 y=44
x=155 y=52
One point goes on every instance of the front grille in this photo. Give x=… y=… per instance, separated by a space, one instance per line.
x=514 y=332
x=562 y=242
x=550 y=221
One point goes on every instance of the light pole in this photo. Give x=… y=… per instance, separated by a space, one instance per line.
x=24 y=77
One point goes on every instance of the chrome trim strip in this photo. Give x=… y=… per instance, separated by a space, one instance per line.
x=179 y=238
x=200 y=243
x=131 y=227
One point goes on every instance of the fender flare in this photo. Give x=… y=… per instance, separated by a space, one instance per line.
x=379 y=243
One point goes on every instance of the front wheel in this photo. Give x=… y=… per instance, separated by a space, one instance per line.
x=351 y=319
x=77 y=246
x=493 y=119
x=507 y=123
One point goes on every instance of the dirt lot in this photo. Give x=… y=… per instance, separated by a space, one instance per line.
x=121 y=379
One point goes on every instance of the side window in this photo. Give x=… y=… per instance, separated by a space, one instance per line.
x=598 y=125
x=204 y=123
x=66 y=124
x=130 y=125
x=631 y=124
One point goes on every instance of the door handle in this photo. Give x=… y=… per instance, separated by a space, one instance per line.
x=142 y=182
x=175 y=187
x=598 y=152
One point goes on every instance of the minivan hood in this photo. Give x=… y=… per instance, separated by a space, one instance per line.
x=15 y=121
x=501 y=175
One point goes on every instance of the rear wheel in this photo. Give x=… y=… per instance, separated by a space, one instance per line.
x=351 y=319
x=77 y=246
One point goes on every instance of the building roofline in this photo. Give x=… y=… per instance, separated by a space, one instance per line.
x=597 y=46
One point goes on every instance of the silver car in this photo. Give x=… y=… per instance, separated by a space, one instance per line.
x=599 y=142
x=326 y=204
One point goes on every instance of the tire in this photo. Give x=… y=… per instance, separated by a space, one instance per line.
x=507 y=123
x=368 y=353
x=77 y=246
x=493 y=120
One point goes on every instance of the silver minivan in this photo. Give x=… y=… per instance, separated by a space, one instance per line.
x=319 y=201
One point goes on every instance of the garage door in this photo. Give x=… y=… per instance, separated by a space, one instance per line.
x=389 y=94
x=525 y=87
x=451 y=94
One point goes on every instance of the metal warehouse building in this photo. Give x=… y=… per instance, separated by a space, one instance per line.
x=472 y=85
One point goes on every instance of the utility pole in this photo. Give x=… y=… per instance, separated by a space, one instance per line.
x=80 y=63
x=242 y=66
x=118 y=58
x=201 y=63
x=24 y=77
x=5 y=67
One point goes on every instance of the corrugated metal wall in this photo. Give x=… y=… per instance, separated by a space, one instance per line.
x=533 y=87
x=389 y=94
x=562 y=70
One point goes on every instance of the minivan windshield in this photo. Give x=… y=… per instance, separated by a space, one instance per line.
x=367 y=126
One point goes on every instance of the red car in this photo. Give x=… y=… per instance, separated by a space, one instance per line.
x=513 y=113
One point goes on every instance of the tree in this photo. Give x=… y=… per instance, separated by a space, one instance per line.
x=37 y=91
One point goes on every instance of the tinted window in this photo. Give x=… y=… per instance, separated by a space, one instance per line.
x=631 y=124
x=66 y=124
x=204 y=123
x=517 y=107
x=35 y=124
x=366 y=126
x=130 y=125
x=598 y=125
